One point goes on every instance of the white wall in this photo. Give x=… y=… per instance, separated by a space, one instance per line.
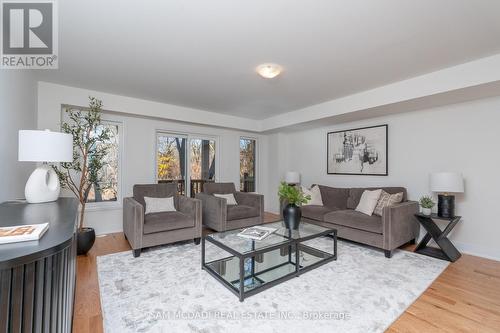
x=18 y=96
x=139 y=143
x=461 y=137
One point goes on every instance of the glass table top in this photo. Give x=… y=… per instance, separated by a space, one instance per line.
x=280 y=236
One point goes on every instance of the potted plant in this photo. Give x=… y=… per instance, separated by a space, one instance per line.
x=294 y=198
x=426 y=203
x=89 y=148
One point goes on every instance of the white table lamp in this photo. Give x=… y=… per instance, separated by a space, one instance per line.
x=292 y=177
x=44 y=146
x=446 y=183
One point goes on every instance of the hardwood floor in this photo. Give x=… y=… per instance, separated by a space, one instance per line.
x=464 y=298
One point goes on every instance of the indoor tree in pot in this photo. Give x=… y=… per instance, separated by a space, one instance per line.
x=89 y=149
x=426 y=203
x=294 y=198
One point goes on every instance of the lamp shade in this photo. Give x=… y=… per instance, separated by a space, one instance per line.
x=45 y=146
x=446 y=182
x=292 y=177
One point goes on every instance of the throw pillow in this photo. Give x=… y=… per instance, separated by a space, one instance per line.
x=315 y=194
x=229 y=198
x=387 y=200
x=368 y=202
x=159 y=205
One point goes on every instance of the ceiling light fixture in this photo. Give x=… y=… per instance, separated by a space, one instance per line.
x=269 y=71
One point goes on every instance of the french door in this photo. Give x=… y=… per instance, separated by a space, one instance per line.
x=187 y=160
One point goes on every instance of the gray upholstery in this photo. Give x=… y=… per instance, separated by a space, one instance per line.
x=315 y=212
x=356 y=220
x=154 y=229
x=396 y=227
x=157 y=222
x=219 y=188
x=218 y=216
x=236 y=212
x=334 y=197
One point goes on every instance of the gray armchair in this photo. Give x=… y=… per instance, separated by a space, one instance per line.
x=153 y=229
x=220 y=216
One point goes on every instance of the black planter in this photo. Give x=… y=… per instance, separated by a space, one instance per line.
x=291 y=216
x=85 y=240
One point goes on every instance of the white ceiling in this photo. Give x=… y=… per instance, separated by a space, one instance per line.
x=202 y=54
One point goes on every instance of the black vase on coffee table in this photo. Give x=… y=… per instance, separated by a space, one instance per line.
x=291 y=216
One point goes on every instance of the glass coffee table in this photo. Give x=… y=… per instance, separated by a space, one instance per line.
x=247 y=267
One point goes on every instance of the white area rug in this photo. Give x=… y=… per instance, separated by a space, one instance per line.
x=165 y=290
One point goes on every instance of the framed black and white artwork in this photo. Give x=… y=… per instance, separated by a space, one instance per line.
x=359 y=151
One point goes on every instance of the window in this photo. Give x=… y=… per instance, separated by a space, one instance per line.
x=247 y=164
x=202 y=164
x=107 y=189
x=190 y=162
x=171 y=160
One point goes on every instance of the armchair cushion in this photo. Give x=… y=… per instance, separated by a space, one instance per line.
x=237 y=212
x=230 y=200
x=164 y=221
x=154 y=191
x=353 y=219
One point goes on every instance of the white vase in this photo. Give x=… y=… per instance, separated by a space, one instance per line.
x=426 y=211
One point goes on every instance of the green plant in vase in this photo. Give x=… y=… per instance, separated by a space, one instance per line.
x=294 y=198
x=90 y=146
x=426 y=203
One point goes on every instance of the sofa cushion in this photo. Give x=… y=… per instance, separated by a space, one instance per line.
x=356 y=220
x=315 y=212
x=165 y=221
x=315 y=194
x=356 y=193
x=368 y=202
x=334 y=197
x=238 y=212
x=387 y=200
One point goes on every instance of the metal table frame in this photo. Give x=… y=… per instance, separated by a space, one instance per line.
x=293 y=244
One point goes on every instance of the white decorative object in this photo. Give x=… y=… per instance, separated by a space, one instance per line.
x=44 y=146
x=229 y=198
x=167 y=291
x=292 y=177
x=159 y=205
x=426 y=211
x=446 y=182
x=368 y=202
x=315 y=194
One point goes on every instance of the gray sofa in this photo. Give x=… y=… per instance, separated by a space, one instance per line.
x=396 y=227
x=220 y=216
x=153 y=229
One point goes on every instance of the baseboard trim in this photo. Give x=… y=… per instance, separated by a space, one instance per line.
x=478 y=251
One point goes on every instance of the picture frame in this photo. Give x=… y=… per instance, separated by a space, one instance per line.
x=360 y=151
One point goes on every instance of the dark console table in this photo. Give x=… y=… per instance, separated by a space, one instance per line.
x=37 y=278
x=447 y=250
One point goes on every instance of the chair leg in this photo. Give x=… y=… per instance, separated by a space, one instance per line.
x=388 y=253
x=197 y=240
x=136 y=253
